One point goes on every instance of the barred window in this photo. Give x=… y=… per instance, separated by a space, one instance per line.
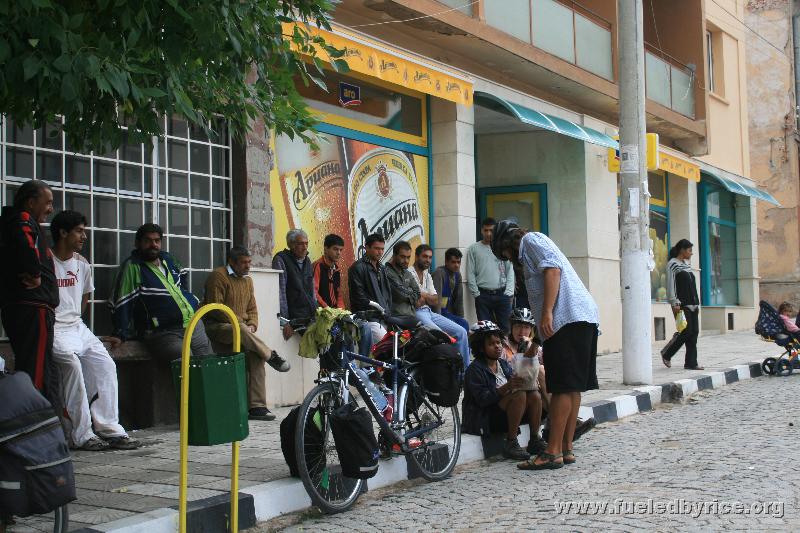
x=180 y=181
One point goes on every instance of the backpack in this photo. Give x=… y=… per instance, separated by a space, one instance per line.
x=288 y=431
x=442 y=374
x=36 y=473
x=355 y=441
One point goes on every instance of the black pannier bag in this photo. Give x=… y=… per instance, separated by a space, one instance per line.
x=355 y=441
x=36 y=473
x=313 y=444
x=442 y=374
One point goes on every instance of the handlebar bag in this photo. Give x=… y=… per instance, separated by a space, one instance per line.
x=36 y=473
x=355 y=441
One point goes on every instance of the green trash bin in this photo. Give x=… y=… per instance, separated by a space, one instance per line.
x=217 y=398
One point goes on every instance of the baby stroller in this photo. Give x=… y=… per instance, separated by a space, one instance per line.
x=770 y=326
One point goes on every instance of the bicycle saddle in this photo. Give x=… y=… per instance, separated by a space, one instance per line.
x=403 y=322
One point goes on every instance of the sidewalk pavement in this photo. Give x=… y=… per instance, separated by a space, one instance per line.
x=137 y=490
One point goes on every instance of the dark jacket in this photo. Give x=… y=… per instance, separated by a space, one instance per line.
x=481 y=414
x=366 y=283
x=297 y=286
x=686 y=288
x=441 y=281
x=25 y=251
x=405 y=291
x=151 y=300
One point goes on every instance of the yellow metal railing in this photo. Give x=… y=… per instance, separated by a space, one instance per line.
x=184 y=422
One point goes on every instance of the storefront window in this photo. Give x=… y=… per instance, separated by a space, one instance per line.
x=659 y=233
x=720 y=275
x=357 y=100
x=183 y=184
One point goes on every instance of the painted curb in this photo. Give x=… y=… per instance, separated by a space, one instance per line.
x=274 y=498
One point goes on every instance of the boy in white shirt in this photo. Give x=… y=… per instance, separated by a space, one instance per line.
x=87 y=370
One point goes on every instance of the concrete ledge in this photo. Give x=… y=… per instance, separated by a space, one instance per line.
x=268 y=500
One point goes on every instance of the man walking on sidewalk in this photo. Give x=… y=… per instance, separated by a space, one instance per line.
x=29 y=289
x=87 y=370
x=567 y=320
x=232 y=285
x=490 y=279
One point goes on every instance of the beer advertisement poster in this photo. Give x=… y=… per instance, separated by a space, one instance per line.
x=350 y=188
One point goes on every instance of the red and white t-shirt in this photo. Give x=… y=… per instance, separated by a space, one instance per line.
x=74 y=278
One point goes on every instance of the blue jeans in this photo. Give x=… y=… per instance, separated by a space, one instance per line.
x=437 y=321
x=494 y=307
x=455 y=318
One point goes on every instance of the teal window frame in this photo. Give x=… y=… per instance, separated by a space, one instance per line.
x=541 y=188
x=704 y=189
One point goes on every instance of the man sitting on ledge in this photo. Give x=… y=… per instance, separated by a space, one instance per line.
x=232 y=285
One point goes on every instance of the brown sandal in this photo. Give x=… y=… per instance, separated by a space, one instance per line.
x=550 y=464
x=569 y=457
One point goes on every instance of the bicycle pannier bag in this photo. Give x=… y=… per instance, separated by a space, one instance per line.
x=442 y=374
x=36 y=473
x=288 y=430
x=355 y=441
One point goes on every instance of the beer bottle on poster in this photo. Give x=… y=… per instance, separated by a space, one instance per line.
x=383 y=197
x=313 y=187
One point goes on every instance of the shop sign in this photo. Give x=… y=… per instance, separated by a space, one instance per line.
x=349 y=94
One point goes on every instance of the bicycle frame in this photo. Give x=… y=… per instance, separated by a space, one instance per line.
x=399 y=376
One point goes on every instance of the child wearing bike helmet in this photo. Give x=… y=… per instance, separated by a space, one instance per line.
x=493 y=397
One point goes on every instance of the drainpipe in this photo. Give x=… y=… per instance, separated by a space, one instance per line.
x=796 y=41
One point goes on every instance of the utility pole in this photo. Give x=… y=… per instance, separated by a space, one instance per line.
x=637 y=362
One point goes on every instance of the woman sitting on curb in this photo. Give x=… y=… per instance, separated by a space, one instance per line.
x=493 y=401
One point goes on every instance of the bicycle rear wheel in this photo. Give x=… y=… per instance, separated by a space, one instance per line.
x=317 y=460
x=438 y=454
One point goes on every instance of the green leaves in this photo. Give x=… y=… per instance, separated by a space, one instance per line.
x=110 y=64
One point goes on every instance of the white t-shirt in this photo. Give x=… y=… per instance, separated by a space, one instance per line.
x=74 y=278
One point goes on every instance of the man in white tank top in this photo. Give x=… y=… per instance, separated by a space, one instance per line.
x=88 y=374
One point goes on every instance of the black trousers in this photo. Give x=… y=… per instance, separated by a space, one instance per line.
x=30 y=331
x=686 y=337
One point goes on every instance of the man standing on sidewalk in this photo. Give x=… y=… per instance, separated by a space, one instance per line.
x=232 y=285
x=87 y=370
x=490 y=279
x=296 y=281
x=29 y=288
x=567 y=320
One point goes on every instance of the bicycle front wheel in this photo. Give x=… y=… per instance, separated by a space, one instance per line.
x=437 y=453
x=317 y=459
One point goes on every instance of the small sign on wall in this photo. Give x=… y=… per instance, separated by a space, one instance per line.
x=349 y=94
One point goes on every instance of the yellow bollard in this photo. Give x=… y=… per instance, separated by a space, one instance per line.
x=184 y=419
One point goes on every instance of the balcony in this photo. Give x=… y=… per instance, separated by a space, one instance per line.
x=563 y=29
x=669 y=82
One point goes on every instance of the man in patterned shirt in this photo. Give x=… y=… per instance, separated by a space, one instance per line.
x=567 y=321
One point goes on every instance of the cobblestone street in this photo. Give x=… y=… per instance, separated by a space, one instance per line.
x=731 y=449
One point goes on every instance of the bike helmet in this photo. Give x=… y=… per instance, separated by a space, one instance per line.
x=479 y=330
x=522 y=315
x=501 y=237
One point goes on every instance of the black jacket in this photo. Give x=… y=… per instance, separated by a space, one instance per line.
x=25 y=251
x=365 y=284
x=686 y=288
x=479 y=409
x=300 y=296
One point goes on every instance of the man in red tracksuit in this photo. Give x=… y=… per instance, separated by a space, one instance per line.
x=29 y=291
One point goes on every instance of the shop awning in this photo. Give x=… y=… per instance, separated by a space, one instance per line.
x=547 y=122
x=732 y=183
x=380 y=60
